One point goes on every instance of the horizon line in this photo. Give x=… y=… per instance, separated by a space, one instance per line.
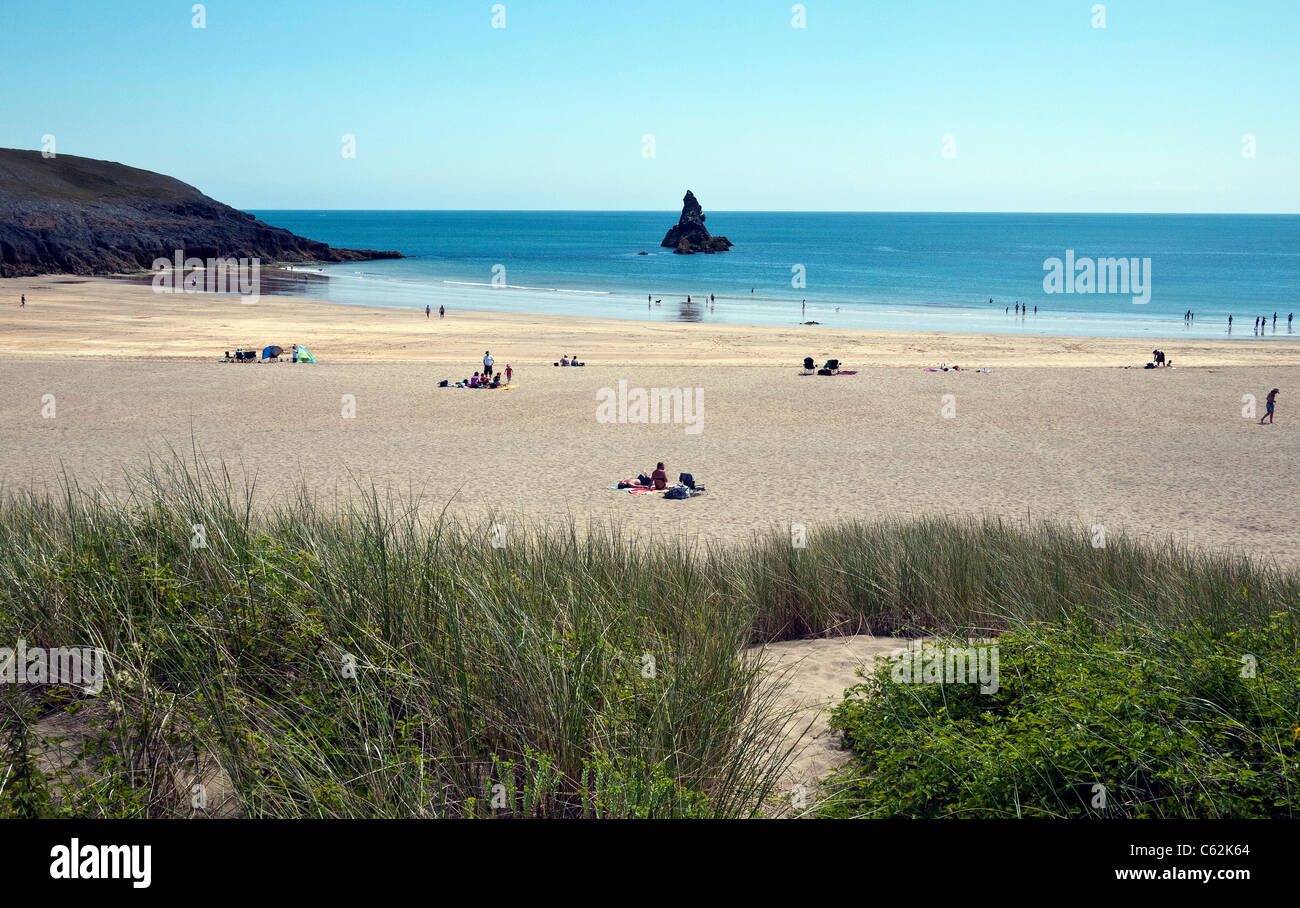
x=797 y=211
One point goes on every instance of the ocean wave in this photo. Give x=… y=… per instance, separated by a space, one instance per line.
x=522 y=287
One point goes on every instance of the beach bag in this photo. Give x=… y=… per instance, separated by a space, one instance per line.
x=687 y=480
x=443 y=383
x=677 y=493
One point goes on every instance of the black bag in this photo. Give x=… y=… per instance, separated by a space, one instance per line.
x=687 y=480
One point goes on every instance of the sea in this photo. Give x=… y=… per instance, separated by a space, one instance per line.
x=1085 y=275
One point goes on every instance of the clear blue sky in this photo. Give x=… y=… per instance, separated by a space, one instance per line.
x=849 y=113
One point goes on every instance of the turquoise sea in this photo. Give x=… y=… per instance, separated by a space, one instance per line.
x=916 y=272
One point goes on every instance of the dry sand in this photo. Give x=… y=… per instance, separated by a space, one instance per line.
x=809 y=677
x=1058 y=430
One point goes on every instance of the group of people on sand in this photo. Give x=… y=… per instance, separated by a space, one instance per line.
x=252 y=356
x=655 y=479
x=488 y=378
x=570 y=360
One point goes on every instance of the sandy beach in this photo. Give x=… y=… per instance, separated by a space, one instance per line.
x=1058 y=429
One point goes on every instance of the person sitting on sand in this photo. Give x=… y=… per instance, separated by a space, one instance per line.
x=496 y=380
x=659 y=477
x=473 y=380
x=564 y=360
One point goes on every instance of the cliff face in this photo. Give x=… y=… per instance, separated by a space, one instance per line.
x=74 y=215
x=689 y=234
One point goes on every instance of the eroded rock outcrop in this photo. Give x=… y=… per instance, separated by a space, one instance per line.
x=689 y=235
x=72 y=215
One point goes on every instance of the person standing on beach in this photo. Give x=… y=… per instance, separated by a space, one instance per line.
x=1269 y=403
x=487 y=363
x=442 y=311
x=1274 y=321
x=23 y=304
x=509 y=372
x=710 y=299
x=428 y=311
x=804 y=308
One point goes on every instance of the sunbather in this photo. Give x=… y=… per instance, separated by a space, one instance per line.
x=659 y=477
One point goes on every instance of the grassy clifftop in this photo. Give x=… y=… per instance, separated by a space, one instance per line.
x=72 y=215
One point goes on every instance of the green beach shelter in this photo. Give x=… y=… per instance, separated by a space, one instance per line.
x=304 y=355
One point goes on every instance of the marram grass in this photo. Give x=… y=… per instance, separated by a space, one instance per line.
x=357 y=661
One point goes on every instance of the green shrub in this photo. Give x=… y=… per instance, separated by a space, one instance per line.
x=1085 y=722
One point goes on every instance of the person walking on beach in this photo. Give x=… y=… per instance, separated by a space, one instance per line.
x=1269 y=403
x=1274 y=321
x=23 y=304
x=487 y=363
x=803 y=308
x=509 y=372
x=442 y=311
x=427 y=311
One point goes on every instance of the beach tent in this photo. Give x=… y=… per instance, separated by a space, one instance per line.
x=271 y=352
x=304 y=355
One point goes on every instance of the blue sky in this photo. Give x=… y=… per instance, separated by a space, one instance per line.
x=1046 y=112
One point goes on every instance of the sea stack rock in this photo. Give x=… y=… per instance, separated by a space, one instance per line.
x=689 y=235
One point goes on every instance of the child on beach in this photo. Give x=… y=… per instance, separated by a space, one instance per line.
x=509 y=372
x=1269 y=403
